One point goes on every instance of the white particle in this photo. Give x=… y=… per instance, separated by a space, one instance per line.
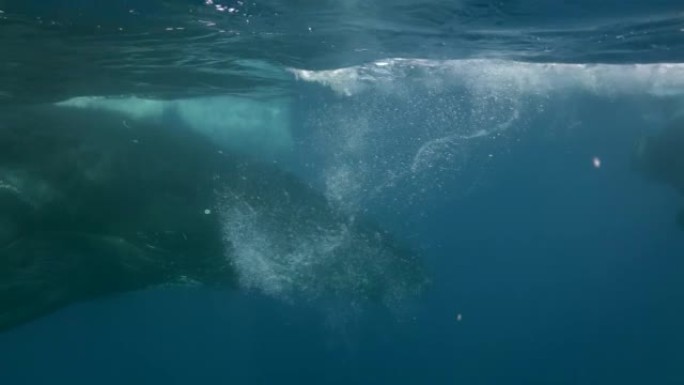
x=596 y=162
x=459 y=317
x=207 y=212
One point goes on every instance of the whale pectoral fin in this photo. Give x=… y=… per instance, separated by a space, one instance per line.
x=24 y=301
x=41 y=274
x=33 y=282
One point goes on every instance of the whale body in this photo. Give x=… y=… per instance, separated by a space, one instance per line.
x=660 y=157
x=91 y=207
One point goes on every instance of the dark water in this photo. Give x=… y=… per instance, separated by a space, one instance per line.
x=495 y=138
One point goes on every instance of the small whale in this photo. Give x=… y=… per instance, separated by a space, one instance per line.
x=660 y=157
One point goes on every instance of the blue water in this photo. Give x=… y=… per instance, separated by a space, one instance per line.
x=494 y=137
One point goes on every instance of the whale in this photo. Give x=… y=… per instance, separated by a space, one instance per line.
x=659 y=156
x=92 y=206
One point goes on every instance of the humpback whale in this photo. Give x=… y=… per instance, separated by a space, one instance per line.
x=660 y=157
x=90 y=206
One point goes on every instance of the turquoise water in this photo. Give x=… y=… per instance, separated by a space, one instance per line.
x=401 y=192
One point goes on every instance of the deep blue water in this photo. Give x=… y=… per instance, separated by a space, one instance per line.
x=470 y=129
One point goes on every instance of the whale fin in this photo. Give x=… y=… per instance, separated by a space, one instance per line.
x=42 y=273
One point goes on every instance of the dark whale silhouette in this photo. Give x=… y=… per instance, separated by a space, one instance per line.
x=660 y=157
x=90 y=206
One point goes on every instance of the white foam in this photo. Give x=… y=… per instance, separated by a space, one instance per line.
x=418 y=121
x=285 y=253
x=274 y=260
x=656 y=79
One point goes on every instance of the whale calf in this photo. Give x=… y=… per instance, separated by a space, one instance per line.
x=90 y=207
x=660 y=157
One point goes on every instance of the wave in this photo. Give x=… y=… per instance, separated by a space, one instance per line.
x=660 y=79
x=419 y=124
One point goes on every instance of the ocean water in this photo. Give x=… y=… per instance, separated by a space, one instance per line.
x=495 y=140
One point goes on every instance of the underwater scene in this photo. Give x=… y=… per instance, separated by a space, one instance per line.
x=341 y=192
